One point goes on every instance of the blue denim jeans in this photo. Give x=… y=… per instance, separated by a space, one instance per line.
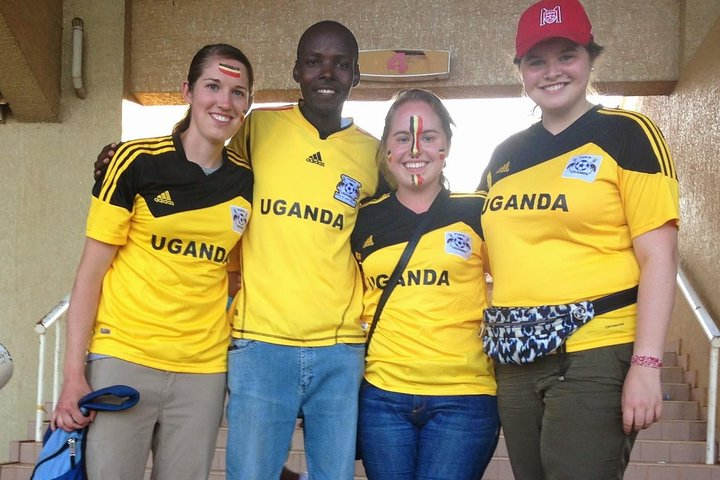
x=270 y=386
x=422 y=437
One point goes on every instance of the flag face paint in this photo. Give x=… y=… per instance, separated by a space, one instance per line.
x=416 y=180
x=416 y=126
x=230 y=70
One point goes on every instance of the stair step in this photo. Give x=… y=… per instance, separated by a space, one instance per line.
x=669 y=471
x=672 y=375
x=680 y=410
x=670 y=359
x=669 y=452
x=675 y=430
x=676 y=391
x=16 y=471
x=498 y=469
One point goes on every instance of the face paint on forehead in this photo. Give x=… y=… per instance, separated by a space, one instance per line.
x=230 y=70
x=416 y=125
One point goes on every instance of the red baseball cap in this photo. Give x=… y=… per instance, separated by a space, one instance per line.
x=550 y=19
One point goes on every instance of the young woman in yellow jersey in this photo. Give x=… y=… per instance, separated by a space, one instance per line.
x=427 y=404
x=148 y=305
x=581 y=206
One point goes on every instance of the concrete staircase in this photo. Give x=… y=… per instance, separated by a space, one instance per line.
x=672 y=449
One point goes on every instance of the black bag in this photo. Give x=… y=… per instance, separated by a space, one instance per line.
x=521 y=335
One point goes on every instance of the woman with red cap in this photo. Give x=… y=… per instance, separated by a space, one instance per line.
x=580 y=222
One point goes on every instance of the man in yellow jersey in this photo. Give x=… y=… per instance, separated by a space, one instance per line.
x=298 y=348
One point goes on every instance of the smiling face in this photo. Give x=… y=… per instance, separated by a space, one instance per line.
x=555 y=74
x=417 y=146
x=218 y=99
x=326 y=69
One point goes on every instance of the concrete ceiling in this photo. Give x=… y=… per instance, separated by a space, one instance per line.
x=157 y=53
x=30 y=58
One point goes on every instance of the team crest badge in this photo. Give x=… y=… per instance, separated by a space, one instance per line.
x=240 y=217
x=583 y=167
x=348 y=190
x=550 y=15
x=457 y=243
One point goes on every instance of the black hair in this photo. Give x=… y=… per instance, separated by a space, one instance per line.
x=197 y=65
x=400 y=98
x=327 y=24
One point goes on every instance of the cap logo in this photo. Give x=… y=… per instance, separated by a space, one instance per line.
x=550 y=15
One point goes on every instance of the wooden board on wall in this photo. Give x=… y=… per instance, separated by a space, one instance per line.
x=404 y=65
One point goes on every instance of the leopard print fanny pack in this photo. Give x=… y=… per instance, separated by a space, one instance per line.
x=521 y=335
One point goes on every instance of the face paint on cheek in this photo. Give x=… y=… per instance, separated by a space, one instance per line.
x=415 y=132
x=442 y=153
x=230 y=70
x=416 y=180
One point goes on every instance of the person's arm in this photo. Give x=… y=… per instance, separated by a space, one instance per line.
x=84 y=299
x=103 y=160
x=656 y=252
x=233 y=268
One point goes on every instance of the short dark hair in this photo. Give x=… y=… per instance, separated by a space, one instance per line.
x=328 y=24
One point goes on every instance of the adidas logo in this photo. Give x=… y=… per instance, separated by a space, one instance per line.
x=504 y=169
x=315 y=158
x=164 y=198
x=369 y=242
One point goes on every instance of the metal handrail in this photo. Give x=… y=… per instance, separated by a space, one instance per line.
x=713 y=335
x=41 y=328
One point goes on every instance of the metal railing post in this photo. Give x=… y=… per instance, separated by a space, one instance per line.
x=56 y=362
x=39 y=407
x=713 y=334
x=41 y=329
x=712 y=406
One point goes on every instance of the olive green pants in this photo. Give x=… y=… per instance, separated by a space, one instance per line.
x=562 y=415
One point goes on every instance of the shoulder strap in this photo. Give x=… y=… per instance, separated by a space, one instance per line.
x=110 y=399
x=402 y=263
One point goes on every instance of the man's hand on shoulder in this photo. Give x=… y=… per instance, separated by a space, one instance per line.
x=103 y=159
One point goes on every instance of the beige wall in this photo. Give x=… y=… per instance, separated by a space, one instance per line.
x=47 y=176
x=690 y=120
x=697 y=17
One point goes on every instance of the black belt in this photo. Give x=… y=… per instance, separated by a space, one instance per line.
x=616 y=300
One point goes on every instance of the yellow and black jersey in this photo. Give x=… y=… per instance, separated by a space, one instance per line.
x=561 y=213
x=426 y=341
x=163 y=298
x=300 y=284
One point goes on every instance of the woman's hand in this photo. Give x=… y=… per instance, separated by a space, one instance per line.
x=641 y=398
x=67 y=414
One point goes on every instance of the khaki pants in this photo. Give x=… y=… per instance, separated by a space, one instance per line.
x=177 y=418
x=566 y=426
